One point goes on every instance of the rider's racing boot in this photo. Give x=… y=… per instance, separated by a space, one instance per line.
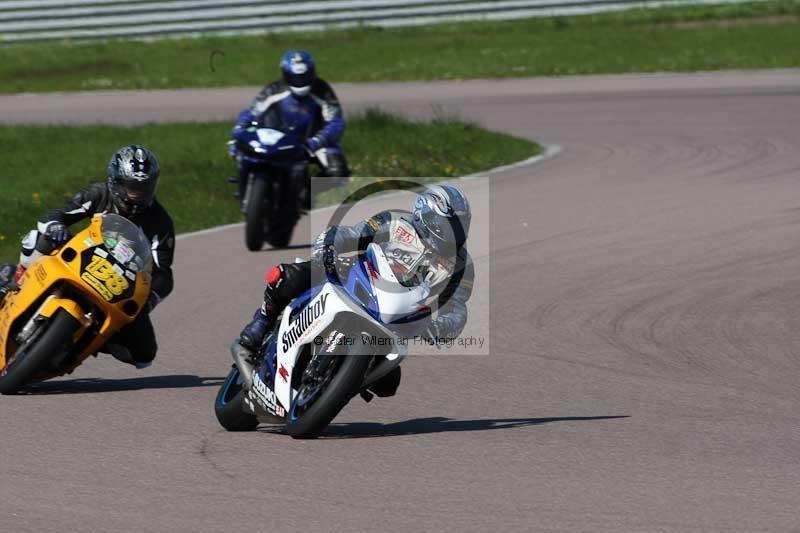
x=19 y=273
x=253 y=333
x=123 y=354
x=13 y=284
x=245 y=350
x=6 y=280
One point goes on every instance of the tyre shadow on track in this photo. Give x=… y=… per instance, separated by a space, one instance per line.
x=97 y=385
x=422 y=426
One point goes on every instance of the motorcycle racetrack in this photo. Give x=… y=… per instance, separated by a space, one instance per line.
x=645 y=339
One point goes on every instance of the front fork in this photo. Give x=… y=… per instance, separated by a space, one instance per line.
x=46 y=311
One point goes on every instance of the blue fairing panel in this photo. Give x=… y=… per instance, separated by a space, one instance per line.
x=359 y=288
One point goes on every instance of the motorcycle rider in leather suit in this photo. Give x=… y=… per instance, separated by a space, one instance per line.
x=304 y=103
x=440 y=219
x=128 y=191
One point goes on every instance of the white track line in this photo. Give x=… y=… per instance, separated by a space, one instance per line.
x=550 y=151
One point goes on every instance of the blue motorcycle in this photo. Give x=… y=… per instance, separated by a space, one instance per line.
x=270 y=197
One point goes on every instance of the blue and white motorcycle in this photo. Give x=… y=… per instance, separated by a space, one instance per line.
x=331 y=344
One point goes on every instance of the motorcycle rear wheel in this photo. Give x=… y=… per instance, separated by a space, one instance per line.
x=34 y=358
x=229 y=405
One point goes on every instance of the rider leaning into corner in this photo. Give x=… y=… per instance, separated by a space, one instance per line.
x=440 y=220
x=129 y=191
x=304 y=103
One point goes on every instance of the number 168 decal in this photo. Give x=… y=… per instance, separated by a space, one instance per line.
x=102 y=276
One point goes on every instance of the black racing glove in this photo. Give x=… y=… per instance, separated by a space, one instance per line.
x=324 y=253
x=57 y=233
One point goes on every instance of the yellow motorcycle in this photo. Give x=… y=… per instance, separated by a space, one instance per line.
x=71 y=302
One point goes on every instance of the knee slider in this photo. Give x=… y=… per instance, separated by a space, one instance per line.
x=273 y=276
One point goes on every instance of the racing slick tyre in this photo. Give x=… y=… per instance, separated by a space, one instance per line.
x=309 y=421
x=255 y=215
x=229 y=405
x=48 y=341
x=281 y=238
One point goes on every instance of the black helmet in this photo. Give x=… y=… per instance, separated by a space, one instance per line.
x=132 y=179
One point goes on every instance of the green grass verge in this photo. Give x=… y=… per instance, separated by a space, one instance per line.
x=739 y=36
x=41 y=167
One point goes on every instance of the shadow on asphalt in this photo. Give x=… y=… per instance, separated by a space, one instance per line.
x=422 y=426
x=95 y=385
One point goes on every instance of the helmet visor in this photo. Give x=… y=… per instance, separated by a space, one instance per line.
x=443 y=230
x=298 y=80
x=135 y=196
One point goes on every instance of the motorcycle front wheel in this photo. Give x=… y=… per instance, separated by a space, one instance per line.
x=284 y=215
x=308 y=417
x=49 y=340
x=255 y=214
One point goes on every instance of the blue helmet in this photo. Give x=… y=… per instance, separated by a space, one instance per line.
x=297 y=68
x=442 y=216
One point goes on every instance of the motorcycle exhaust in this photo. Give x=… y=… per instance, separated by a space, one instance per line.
x=241 y=358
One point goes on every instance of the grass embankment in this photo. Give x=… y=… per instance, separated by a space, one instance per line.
x=737 y=36
x=40 y=167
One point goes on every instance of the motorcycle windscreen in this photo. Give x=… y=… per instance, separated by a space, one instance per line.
x=396 y=301
x=127 y=244
x=111 y=267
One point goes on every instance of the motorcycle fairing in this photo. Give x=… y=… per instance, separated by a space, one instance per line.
x=260 y=146
x=333 y=301
x=42 y=285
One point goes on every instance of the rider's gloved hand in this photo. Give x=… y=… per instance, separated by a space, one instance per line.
x=432 y=332
x=245 y=119
x=324 y=253
x=57 y=233
x=314 y=144
x=323 y=244
x=232 y=150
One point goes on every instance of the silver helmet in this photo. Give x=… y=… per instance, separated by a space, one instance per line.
x=442 y=217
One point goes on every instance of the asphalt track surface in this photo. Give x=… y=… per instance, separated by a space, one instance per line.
x=643 y=375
